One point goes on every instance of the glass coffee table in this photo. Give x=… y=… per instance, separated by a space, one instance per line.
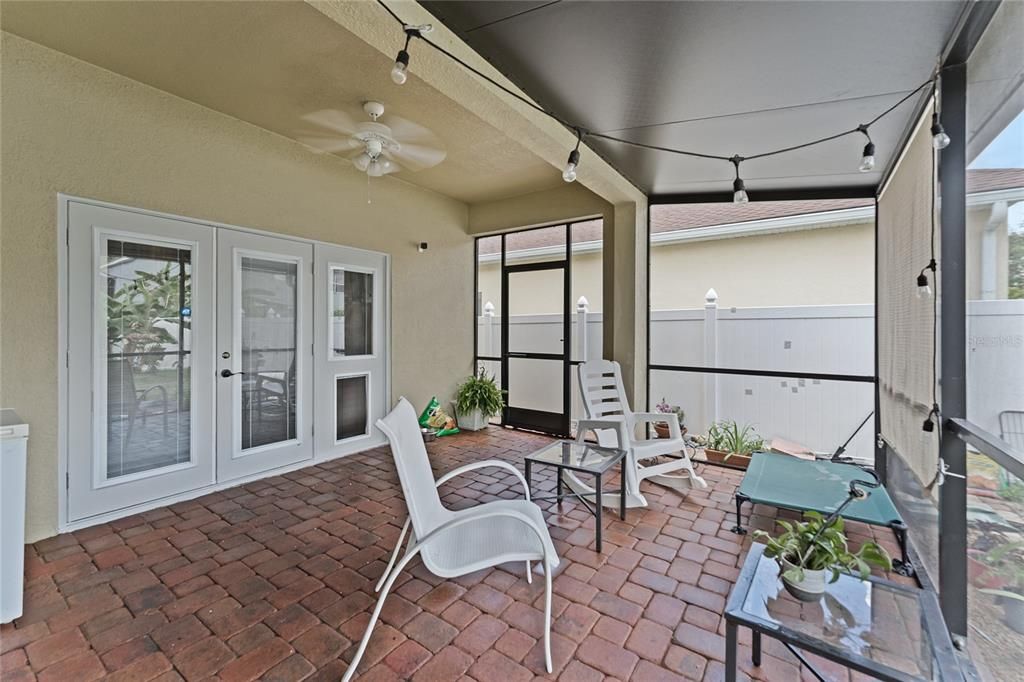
x=873 y=626
x=579 y=458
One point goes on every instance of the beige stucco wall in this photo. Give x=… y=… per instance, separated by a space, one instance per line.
x=68 y=126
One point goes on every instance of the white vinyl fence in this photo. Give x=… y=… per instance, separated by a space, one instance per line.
x=818 y=414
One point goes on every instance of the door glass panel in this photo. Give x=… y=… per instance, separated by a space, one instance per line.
x=351 y=405
x=535 y=384
x=268 y=346
x=148 y=316
x=536 y=301
x=351 y=312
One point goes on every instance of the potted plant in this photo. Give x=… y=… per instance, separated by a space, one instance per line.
x=810 y=549
x=477 y=400
x=661 y=428
x=1007 y=562
x=730 y=444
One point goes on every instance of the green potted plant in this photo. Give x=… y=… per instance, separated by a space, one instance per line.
x=810 y=549
x=661 y=428
x=729 y=443
x=1007 y=562
x=477 y=400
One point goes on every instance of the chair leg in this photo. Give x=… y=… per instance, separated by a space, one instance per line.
x=529 y=575
x=547 y=617
x=394 y=555
x=376 y=614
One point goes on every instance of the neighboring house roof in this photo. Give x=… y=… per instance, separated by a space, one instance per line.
x=730 y=218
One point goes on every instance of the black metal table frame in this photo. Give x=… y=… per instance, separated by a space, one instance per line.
x=559 y=495
x=944 y=655
x=903 y=566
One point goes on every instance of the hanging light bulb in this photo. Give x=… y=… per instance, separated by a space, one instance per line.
x=924 y=289
x=569 y=174
x=867 y=161
x=739 y=190
x=940 y=140
x=867 y=158
x=400 y=71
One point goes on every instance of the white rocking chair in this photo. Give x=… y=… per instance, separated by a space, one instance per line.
x=615 y=425
x=454 y=543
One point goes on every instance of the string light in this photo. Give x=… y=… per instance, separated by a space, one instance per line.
x=924 y=289
x=739 y=190
x=399 y=74
x=400 y=71
x=940 y=140
x=929 y=424
x=569 y=174
x=867 y=160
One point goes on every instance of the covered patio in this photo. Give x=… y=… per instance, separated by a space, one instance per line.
x=274 y=580
x=733 y=255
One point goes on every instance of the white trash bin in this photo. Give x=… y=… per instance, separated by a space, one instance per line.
x=13 y=443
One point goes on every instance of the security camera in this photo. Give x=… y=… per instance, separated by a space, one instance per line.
x=422 y=247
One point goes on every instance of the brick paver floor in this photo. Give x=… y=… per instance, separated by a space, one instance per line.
x=274 y=580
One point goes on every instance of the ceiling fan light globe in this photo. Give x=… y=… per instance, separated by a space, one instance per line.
x=362 y=162
x=378 y=167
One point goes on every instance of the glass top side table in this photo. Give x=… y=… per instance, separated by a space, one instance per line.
x=873 y=626
x=583 y=458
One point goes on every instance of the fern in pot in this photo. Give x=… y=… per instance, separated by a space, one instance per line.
x=477 y=400
x=813 y=552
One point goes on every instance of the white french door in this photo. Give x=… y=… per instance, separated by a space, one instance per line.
x=264 y=353
x=192 y=352
x=351 y=332
x=140 y=358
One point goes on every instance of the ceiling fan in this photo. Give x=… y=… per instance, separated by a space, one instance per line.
x=374 y=147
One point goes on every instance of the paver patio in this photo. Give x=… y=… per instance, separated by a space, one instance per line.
x=274 y=580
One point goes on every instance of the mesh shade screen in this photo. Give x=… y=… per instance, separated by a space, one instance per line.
x=905 y=328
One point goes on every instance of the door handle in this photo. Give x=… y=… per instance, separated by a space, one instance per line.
x=228 y=373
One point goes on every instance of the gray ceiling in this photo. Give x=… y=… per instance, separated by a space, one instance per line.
x=717 y=77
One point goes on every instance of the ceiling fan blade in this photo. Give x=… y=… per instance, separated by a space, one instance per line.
x=334 y=119
x=407 y=132
x=333 y=144
x=418 y=157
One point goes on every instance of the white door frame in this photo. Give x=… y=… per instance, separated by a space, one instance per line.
x=63 y=523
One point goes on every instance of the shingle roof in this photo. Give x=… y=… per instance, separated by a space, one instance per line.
x=671 y=217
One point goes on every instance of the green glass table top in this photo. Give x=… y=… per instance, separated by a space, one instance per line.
x=821 y=485
x=877 y=621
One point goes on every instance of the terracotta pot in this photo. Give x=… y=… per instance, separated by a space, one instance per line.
x=661 y=428
x=725 y=459
x=810 y=588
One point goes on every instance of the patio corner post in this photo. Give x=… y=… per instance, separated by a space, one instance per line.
x=711 y=356
x=953 y=361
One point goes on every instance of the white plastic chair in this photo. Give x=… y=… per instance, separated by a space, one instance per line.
x=615 y=425
x=454 y=543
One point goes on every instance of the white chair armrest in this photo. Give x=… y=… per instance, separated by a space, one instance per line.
x=482 y=512
x=481 y=465
x=673 y=423
x=616 y=425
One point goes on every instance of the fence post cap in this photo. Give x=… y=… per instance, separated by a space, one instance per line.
x=488 y=309
x=711 y=296
x=582 y=304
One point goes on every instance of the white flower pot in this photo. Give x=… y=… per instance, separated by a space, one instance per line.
x=810 y=588
x=474 y=421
